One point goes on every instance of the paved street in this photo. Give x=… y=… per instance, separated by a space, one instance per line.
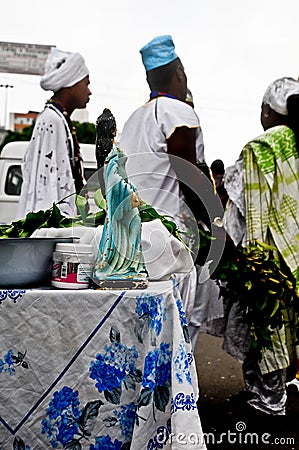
x=226 y=423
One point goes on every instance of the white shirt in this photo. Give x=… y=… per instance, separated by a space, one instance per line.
x=144 y=141
x=46 y=168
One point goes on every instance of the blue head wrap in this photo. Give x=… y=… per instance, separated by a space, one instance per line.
x=158 y=52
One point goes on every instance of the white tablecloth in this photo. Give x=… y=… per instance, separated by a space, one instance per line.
x=97 y=370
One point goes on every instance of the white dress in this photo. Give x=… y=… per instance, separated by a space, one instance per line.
x=46 y=168
x=144 y=141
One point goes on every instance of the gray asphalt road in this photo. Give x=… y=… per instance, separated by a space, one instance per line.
x=226 y=422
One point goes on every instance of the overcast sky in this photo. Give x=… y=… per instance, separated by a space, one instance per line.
x=231 y=50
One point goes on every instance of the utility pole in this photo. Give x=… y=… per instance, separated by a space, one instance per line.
x=6 y=86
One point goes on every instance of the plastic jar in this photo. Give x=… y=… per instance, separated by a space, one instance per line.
x=72 y=265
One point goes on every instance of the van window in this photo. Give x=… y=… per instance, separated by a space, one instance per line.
x=13 y=181
x=93 y=183
x=88 y=173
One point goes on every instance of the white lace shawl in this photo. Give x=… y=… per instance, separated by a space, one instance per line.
x=46 y=169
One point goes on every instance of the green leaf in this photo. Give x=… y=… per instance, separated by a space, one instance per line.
x=81 y=203
x=248 y=284
x=265 y=303
x=265 y=246
x=275 y=309
x=32 y=222
x=171 y=226
x=92 y=219
x=147 y=212
x=99 y=199
x=54 y=218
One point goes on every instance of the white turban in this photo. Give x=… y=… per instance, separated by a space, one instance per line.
x=63 y=69
x=278 y=92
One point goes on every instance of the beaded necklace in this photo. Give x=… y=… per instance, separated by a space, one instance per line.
x=155 y=94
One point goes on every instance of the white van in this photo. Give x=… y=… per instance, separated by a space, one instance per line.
x=11 y=176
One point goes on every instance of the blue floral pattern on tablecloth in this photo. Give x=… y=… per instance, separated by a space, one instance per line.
x=151 y=315
x=106 y=443
x=185 y=402
x=181 y=311
x=126 y=417
x=11 y=295
x=61 y=424
x=115 y=367
x=10 y=361
x=132 y=380
x=161 y=437
x=156 y=379
x=181 y=364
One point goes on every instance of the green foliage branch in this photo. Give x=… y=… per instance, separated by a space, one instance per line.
x=258 y=278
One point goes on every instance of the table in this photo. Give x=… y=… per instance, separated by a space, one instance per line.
x=97 y=370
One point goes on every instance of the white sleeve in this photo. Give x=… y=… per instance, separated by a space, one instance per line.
x=172 y=114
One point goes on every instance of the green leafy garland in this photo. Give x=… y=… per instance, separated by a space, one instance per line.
x=264 y=287
x=52 y=217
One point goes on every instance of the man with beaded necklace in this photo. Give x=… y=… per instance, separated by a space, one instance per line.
x=165 y=126
x=164 y=144
x=52 y=166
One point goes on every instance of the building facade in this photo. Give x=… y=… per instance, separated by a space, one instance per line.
x=19 y=121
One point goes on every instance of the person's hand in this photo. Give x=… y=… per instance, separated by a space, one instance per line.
x=136 y=200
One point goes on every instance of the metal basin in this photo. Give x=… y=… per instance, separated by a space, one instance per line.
x=27 y=262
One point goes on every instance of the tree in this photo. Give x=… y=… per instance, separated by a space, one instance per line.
x=86 y=132
x=12 y=136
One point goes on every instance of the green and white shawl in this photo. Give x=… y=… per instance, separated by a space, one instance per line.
x=271 y=184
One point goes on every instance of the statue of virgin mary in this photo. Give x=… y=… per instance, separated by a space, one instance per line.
x=120 y=262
